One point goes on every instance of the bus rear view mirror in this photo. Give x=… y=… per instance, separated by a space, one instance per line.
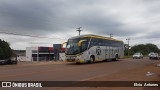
x=80 y=42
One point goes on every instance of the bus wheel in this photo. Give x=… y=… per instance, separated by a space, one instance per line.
x=92 y=59
x=77 y=62
x=116 y=58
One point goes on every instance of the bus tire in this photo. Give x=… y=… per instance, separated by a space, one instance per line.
x=77 y=62
x=92 y=59
x=116 y=57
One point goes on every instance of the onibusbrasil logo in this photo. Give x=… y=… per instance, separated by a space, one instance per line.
x=21 y=84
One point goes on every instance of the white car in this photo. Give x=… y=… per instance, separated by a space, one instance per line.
x=138 y=56
x=150 y=54
x=154 y=56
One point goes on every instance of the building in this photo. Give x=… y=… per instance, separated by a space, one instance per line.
x=62 y=55
x=20 y=55
x=42 y=54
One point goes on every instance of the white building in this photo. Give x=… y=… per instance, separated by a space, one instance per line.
x=21 y=58
x=20 y=55
x=62 y=56
x=29 y=53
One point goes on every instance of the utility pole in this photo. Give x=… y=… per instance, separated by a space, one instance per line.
x=128 y=44
x=110 y=35
x=79 y=30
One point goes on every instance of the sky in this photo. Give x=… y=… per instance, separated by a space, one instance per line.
x=138 y=20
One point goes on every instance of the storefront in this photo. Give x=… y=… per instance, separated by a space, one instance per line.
x=41 y=53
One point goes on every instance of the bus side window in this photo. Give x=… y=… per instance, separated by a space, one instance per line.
x=99 y=42
x=91 y=44
x=84 y=46
x=94 y=41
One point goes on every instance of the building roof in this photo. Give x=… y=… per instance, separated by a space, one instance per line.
x=19 y=52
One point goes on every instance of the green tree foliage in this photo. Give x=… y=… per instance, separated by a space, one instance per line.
x=5 y=50
x=144 y=49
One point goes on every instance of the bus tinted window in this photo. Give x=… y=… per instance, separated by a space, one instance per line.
x=104 y=42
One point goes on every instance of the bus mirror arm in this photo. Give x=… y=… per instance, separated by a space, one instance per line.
x=80 y=42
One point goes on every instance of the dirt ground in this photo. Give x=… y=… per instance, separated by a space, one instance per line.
x=137 y=74
x=23 y=64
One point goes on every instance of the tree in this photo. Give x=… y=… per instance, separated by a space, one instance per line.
x=144 y=49
x=5 y=50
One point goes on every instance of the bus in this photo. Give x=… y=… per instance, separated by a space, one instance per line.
x=91 y=48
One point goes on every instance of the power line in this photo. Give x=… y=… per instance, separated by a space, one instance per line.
x=79 y=30
x=27 y=35
x=128 y=44
x=110 y=35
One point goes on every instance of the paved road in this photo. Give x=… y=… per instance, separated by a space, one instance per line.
x=68 y=71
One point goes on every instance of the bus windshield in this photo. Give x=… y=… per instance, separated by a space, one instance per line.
x=73 y=47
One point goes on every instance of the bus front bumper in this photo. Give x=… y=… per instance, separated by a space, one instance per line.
x=74 y=59
x=80 y=61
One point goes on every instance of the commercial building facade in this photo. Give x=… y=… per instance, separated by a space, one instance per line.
x=42 y=54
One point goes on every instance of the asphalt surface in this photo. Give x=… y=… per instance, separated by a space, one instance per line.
x=68 y=71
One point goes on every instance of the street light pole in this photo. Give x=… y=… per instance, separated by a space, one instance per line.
x=110 y=35
x=128 y=44
x=79 y=30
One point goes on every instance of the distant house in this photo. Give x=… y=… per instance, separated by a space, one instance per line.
x=20 y=55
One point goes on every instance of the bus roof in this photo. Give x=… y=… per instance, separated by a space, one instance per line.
x=96 y=36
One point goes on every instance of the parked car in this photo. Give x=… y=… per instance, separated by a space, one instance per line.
x=150 y=54
x=154 y=56
x=3 y=61
x=138 y=56
x=12 y=60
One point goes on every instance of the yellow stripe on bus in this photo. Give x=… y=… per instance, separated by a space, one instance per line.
x=101 y=37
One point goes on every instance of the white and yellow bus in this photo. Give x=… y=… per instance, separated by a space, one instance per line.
x=91 y=48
